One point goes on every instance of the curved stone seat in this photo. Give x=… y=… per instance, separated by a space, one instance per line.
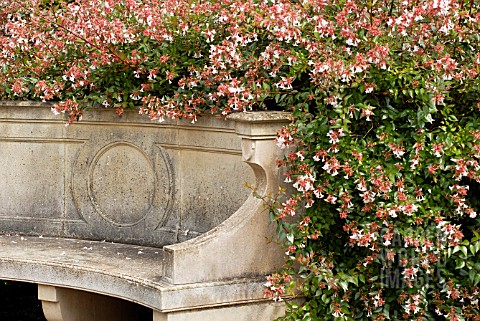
x=189 y=248
x=129 y=272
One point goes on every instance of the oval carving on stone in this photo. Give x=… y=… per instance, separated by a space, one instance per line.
x=122 y=184
x=123 y=188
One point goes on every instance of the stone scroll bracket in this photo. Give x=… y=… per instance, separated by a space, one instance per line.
x=241 y=246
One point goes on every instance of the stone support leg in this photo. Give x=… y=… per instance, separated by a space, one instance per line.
x=266 y=311
x=62 y=304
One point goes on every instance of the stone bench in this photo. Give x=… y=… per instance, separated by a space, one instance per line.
x=109 y=213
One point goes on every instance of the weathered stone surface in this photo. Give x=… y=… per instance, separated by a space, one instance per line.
x=246 y=312
x=129 y=272
x=119 y=170
x=134 y=182
x=30 y=184
x=62 y=304
x=239 y=246
x=122 y=179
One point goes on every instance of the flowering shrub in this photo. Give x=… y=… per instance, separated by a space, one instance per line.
x=385 y=139
x=386 y=163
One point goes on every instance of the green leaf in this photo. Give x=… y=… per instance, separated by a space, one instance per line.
x=354 y=280
x=324 y=298
x=464 y=250
x=344 y=285
x=477 y=280
x=361 y=277
x=471 y=275
x=472 y=249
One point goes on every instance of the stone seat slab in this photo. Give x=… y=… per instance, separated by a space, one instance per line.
x=129 y=272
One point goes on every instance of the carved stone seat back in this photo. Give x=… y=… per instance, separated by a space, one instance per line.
x=126 y=179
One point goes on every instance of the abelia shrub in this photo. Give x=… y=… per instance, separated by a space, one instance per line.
x=384 y=146
x=385 y=164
